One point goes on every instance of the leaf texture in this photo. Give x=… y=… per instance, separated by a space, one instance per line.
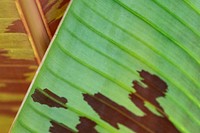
x=122 y=66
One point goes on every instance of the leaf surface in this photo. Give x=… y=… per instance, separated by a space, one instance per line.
x=122 y=66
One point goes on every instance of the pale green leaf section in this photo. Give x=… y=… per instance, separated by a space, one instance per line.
x=101 y=45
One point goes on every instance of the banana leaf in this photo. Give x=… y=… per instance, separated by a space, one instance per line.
x=119 y=66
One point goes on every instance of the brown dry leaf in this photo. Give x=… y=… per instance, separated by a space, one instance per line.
x=53 y=11
x=24 y=38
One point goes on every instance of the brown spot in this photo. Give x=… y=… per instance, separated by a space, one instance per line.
x=86 y=126
x=49 y=98
x=156 y=87
x=153 y=81
x=16 y=27
x=59 y=128
x=157 y=123
x=114 y=113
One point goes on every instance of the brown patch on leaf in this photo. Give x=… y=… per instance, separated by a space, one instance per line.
x=49 y=98
x=155 y=87
x=59 y=128
x=86 y=126
x=16 y=27
x=152 y=121
x=114 y=113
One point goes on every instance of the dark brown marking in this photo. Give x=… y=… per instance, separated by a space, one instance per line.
x=154 y=81
x=157 y=123
x=156 y=87
x=86 y=126
x=16 y=27
x=59 y=128
x=114 y=113
x=49 y=98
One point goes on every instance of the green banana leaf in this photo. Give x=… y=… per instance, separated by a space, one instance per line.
x=119 y=66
